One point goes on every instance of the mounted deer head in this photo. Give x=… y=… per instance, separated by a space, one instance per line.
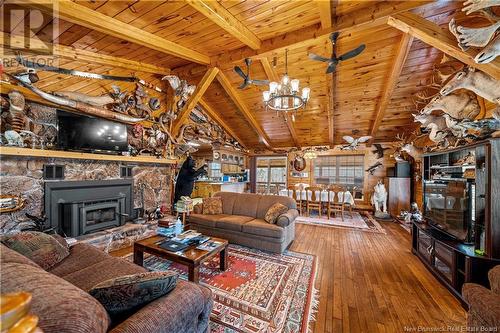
x=476 y=81
x=463 y=105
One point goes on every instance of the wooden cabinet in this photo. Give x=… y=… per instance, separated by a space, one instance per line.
x=399 y=195
x=204 y=189
x=453 y=263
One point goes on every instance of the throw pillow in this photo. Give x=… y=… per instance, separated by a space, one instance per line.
x=212 y=206
x=127 y=293
x=274 y=212
x=41 y=248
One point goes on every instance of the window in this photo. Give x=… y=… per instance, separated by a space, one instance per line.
x=214 y=170
x=345 y=170
x=271 y=174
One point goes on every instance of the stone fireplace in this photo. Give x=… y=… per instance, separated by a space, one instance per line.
x=77 y=208
x=150 y=183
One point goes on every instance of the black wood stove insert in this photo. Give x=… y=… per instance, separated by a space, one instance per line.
x=77 y=208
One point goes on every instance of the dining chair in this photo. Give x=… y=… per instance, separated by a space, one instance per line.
x=295 y=195
x=335 y=202
x=314 y=199
x=347 y=201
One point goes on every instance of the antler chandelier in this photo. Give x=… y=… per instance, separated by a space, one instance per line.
x=284 y=96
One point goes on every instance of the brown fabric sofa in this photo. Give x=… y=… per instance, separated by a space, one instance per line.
x=242 y=221
x=484 y=304
x=61 y=301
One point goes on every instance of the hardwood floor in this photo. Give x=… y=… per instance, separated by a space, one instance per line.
x=371 y=282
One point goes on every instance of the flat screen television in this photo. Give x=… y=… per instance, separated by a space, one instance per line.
x=449 y=207
x=83 y=133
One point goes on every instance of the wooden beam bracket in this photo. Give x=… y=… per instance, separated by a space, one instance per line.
x=432 y=34
x=194 y=98
x=399 y=61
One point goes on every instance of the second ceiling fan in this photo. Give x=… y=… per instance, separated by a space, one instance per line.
x=334 y=60
x=246 y=76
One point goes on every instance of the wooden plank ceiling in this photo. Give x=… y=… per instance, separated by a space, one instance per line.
x=226 y=31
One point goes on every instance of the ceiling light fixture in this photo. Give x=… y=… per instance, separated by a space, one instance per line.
x=310 y=154
x=284 y=96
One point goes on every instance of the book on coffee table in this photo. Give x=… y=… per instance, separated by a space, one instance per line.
x=208 y=245
x=174 y=246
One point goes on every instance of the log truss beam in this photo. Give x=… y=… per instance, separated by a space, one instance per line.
x=194 y=99
x=235 y=97
x=78 y=14
x=360 y=19
x=399 y=60
x=325 y=13
x=71 y=53
x=216 y=13
x=433 y=35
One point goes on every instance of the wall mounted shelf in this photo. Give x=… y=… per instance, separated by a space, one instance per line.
x=28 y=152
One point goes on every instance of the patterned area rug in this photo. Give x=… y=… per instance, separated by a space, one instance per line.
x=362 y=221
x=259 y=292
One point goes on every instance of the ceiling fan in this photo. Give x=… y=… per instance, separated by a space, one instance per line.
x=334 y=60
x=246 y=77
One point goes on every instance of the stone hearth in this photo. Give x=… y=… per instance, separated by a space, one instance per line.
x=119 y=237
x=24 y=176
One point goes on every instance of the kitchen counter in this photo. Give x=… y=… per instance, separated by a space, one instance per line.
x=206 y=188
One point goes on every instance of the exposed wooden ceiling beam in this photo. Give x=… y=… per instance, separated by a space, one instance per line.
x=215 y=116
x=233 y=94
x=194 y=98
x=86 y=17
x=360 y=19
x=71 y=53
x=216 y=13
x=325 y=13
x=431 y=34
x=271 y=75
x=402 y=53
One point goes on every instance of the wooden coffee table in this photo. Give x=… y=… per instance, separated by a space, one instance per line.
x=191 y=257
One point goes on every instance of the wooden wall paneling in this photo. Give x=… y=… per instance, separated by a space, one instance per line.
x=392 y=79
x=369 y=180
x=201 y=87
x=83 y=16
x=433 y=35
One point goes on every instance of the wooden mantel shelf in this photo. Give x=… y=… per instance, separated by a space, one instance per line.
x=16 y=151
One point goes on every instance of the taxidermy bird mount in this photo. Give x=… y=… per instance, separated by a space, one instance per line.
x=374 y=167
x=353 y=144
x=246 y=76
x=379 y=150
x=334 y=60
